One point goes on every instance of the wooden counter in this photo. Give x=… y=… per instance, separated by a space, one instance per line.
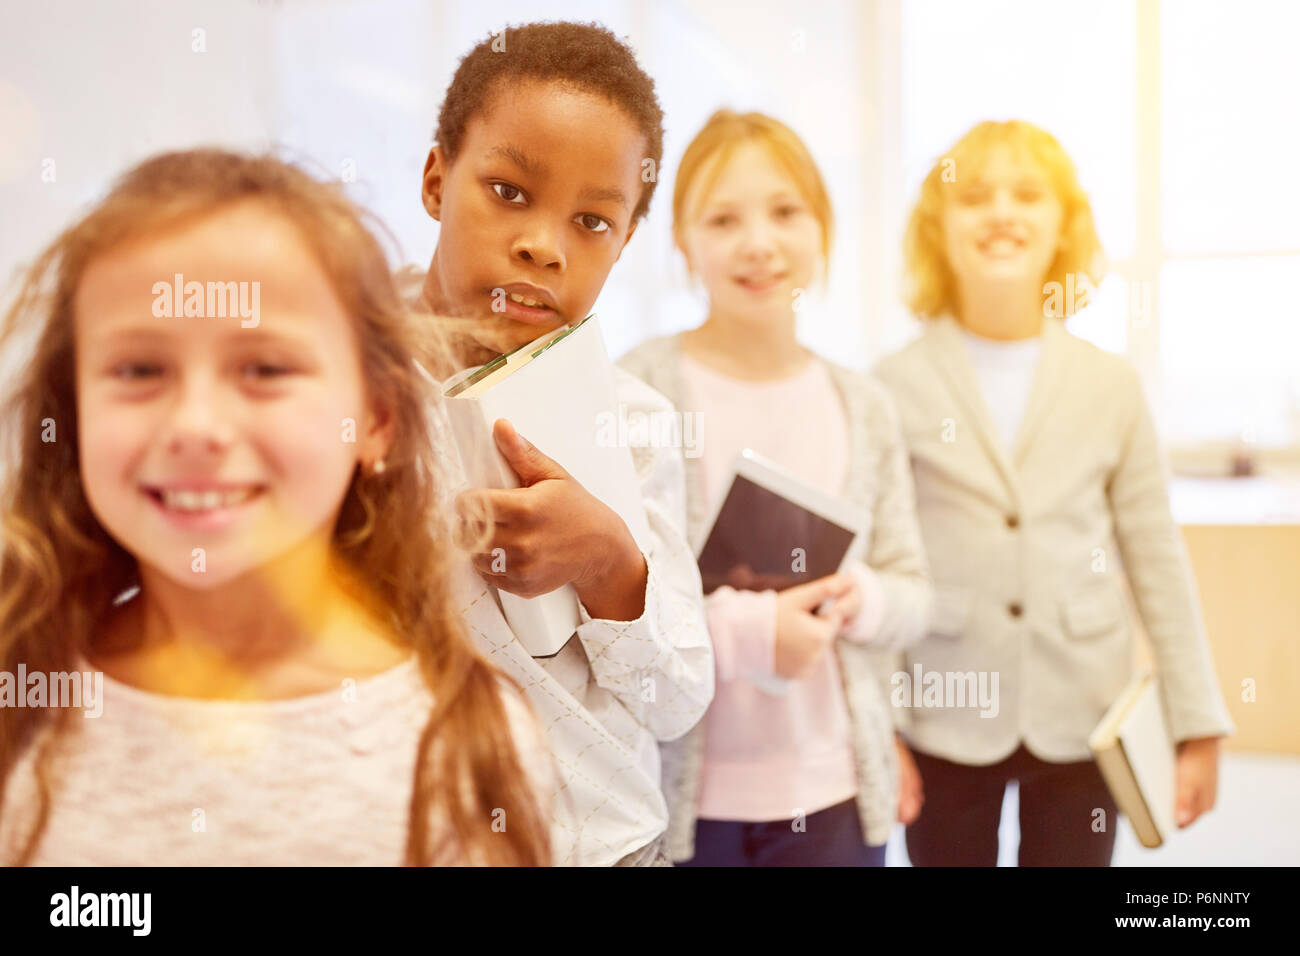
x=1243 y=539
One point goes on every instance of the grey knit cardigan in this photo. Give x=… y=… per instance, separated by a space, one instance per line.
x=880 y=482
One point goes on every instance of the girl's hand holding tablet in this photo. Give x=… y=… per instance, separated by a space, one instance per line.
x=802 y=635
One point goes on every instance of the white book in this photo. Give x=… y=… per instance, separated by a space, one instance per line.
x=1136 y=758
x=556 y=391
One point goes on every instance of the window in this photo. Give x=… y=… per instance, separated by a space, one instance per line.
x=1180 y=119
x=1229 y=331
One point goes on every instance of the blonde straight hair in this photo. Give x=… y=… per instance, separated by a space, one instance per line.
x=713 y=146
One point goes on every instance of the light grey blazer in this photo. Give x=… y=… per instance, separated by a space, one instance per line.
x=878 y=482
x=1030 y=551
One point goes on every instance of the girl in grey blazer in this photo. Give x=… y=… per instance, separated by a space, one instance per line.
x=1041 y=495
x=807 y=776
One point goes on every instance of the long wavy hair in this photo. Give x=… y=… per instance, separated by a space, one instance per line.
x=60 y=571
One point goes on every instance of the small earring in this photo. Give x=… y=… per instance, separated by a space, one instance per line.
x=378 y=467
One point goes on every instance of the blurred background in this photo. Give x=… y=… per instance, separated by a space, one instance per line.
x=1181 y=117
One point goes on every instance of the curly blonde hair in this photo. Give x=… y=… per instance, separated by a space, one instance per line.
x=929 y=287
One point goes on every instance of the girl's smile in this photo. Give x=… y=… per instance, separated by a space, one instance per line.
x=1002 y=244
x=204 y=505
x=761 y=283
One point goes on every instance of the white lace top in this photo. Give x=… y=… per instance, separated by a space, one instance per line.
x=324 y=779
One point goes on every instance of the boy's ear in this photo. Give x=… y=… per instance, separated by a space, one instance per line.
x=435 y=172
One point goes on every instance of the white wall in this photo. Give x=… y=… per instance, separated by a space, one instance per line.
x=89 y=89
x=355 y=87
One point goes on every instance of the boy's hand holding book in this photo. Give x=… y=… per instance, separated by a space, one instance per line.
x=553 y=532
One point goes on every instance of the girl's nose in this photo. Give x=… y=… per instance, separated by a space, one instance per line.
x=758 y=239
x=1003 y=205
x=197 y=426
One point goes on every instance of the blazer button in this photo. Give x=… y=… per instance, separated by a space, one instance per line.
x=1013 y=521
x=1015 y=610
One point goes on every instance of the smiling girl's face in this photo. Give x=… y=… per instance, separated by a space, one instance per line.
x=1002 y=226
x=752 y=240
x=196 y=432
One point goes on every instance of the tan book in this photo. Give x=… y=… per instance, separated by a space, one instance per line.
x=1136 y=757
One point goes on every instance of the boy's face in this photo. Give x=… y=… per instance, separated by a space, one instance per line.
x=535 y=210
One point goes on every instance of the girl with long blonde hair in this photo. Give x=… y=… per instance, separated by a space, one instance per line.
x=225 y=509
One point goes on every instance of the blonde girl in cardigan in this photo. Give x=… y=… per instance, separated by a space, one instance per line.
x=807 y=777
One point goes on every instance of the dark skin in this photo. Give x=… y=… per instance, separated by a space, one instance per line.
x=538 y=202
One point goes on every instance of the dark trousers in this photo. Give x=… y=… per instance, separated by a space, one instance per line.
x=830 y=837
x=1059 y=822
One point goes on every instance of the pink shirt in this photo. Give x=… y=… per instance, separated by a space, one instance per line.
x=770 y=757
